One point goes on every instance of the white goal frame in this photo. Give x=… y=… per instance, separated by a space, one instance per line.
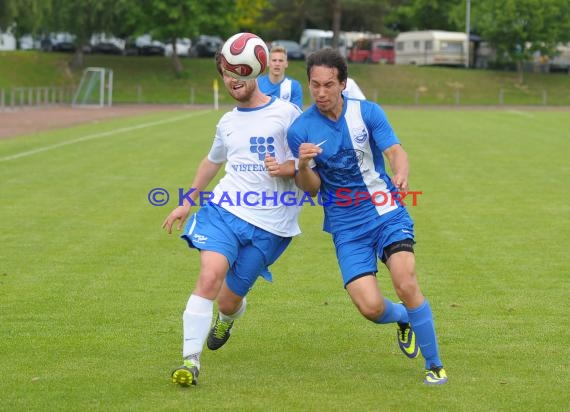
x=95 y=88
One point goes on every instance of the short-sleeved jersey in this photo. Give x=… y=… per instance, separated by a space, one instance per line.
x=351 y=164
x=287 y=89
x=243 y=137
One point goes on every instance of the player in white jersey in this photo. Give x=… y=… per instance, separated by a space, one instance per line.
x=243 y=228
x=340 y=144
x=275 y=83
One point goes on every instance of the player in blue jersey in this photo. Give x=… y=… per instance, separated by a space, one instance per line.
x=276 y=83
x=340 y=144
x=238 y=238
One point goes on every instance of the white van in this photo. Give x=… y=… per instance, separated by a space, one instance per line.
x=315 y=39
x=431 y=47
x=561 y=61
x=7 y=41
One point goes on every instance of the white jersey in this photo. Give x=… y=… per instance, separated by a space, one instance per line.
x=352 y=90
x=243 y=137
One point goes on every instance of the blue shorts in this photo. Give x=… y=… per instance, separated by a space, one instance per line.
x=249 y=249
x=358 y=249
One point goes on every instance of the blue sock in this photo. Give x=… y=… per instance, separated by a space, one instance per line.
x=423 y=326
x=393 y=312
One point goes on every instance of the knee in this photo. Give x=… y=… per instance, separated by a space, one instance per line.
x=229 y=306
x=408 y=291
x=371 y=310
x=208 y=284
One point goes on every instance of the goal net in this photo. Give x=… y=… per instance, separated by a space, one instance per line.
x=95 y=88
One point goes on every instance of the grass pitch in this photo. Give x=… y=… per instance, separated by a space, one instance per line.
x=92 y=290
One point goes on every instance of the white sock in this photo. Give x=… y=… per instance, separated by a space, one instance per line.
x=238 y=314
x=196 y=322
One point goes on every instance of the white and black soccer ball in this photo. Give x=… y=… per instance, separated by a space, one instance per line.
x=244 y=56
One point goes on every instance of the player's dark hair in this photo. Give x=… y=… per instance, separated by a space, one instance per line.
x=328 y=58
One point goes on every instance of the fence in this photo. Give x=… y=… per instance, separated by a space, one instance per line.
x=501 y=96
x=470 y=95
x=27 y=97
x=455 y=97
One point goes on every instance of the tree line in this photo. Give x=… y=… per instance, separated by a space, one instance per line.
x=516 y=29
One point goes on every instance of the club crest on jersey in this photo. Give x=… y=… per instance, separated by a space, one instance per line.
x=262 y=146
x=360 y=134
x=197 y=238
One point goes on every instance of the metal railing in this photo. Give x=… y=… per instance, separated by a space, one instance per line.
x=29 y=97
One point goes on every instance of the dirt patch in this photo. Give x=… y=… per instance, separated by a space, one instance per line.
x=33 y=120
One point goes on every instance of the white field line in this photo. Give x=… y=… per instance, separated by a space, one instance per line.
x=99 y=135
x=521 y=113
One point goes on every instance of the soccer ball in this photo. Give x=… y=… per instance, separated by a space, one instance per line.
x=244 y=56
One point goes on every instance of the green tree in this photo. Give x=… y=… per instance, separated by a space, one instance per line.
x=250 y=16
x=517 y=29
x=170 y=20
x=365 y=15
x=84 y=18
x=8 y=14
x=283 y=19
x=24 y=16
x=288 y=18
x=406 y=15
x=173 y=19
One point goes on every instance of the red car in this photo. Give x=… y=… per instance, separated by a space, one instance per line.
x=380 y=50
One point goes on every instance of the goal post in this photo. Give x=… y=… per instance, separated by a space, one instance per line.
x=95 y=88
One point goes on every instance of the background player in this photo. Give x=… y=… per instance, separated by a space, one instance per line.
x=275 y=83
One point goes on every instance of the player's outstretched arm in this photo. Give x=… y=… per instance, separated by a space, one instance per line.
x=398 y=159
x=207 y=170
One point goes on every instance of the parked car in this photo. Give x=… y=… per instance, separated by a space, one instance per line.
x=182 y=47
x=294 y=50
x=58 y=42
x=205 y=46
x=28 y=42
x=107 y=44
x=561 y=61
x=130 y=46
x=376 y=50
x=146 y=46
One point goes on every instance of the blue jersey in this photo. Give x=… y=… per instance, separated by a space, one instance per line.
x=287 y=89
x=355 y=187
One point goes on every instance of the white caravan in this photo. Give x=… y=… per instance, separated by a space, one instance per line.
x=7 y=41
x=431 y=47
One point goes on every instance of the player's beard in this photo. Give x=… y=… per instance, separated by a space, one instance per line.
x=244 y=93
